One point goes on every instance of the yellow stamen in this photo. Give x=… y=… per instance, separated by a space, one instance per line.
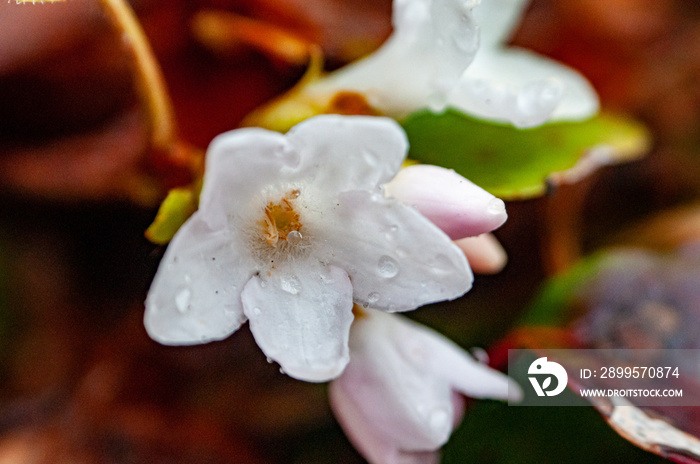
x=280 y=219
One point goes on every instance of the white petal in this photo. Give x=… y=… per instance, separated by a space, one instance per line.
x=396 y=258
x=484 y=253
x=433 y=42
x=239 y=165
x=497 y=20
x=300 y=316
x=518 y=86
x=523 y=88
x=451 y=202
x=195 y=296
x=349 y=153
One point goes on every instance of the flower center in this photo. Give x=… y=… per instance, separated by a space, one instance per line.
x=281 y=221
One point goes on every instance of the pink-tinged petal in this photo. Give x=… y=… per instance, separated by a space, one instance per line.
x=396 y=398
x=468 y=376
x=369 y=440
x=484 y=253
x=396 y=258
x=392 y=389
x=300 y=316
x=451 y=202
x=195 y=295
x=349 y=153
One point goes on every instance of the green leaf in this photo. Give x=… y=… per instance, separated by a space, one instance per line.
x=177 y=207
x=551 y=305
x=518 y=163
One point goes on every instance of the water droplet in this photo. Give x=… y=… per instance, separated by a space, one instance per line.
x=439 y=419
x=388 y=267
x=496 y=207
x=182 y=300
x=294 y=237
x=443 y=263
x=373 y=297
x=282 y=371
x=480 y=355
x=288 y=155
x=437 y=102
x=263 y=284
x=465 y=42
x=269 y=360
x=257 y=311
x=290 y=284
x=391 y=232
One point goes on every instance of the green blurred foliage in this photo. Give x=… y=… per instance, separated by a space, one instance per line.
x=495 y=433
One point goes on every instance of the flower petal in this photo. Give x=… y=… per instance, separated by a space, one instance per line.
x=390 y=386
x=300 y=316
x=497 y=20
x=514 y=85
x=349 y=153
x=433 y=42
x=484 y=253
x=365 y=436
x=451 y=202
x=446 y=360
x=239 y=165
x=396 y=258
x=195 y=295
x=523 y=88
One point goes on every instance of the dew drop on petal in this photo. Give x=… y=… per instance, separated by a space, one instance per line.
x=480 y=355
x=388 y=267
x=373 y=297
x=257 y=311
x=269 y=360
x=182 y=300
x=290 y=284
x=294 y=237
x=439 y=419
x=437 y=102
x=282 y=371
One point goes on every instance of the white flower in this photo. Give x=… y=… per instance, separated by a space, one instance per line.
x=419 y=64
x=290 y=231
x=434 y=59
x=396 y=399
x=517 y=85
